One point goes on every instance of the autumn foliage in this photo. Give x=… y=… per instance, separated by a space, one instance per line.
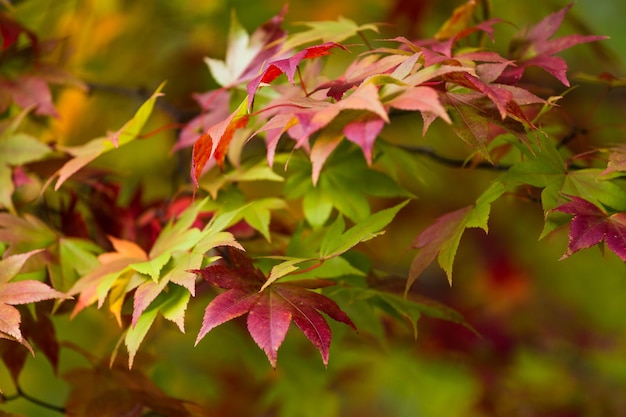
x=290 y=172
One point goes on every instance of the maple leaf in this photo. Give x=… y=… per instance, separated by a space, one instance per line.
x=546 y=168
x=271 y=308
x=592 y=225
x=533 y=47
x=460 y=20
x=214 y=143
x=84 y=154
x=20 y=292
x=246 y=54
x=288 y=66
x=215 y=109
x=160 y=277
x=37 y=327
x=441 y=239
x=327 y=31
x=344 y=184
x=617 y=160
x=25 y=82
x=29 y=90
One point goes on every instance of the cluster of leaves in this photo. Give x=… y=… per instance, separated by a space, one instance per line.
x=325 y=153
x=476 y=91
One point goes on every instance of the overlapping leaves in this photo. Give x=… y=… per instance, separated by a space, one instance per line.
x=159 y=279
x=474 y=90
x=270 y=308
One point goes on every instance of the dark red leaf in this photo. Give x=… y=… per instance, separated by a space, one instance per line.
x=271 y=309
x=14 y=357
x=226 y=306
x=533 y=47
x=268 y=321
x=591 y=225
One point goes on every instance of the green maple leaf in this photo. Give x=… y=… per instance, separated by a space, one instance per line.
x=441 y=239
x=327 y=31
x=547 y=169
x=159 y=279
x=344 y=184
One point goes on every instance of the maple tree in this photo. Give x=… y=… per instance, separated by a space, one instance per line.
x=287 y=179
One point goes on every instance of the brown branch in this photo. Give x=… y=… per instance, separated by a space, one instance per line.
x=21 y=394
x=142 y=94
x=455 y=163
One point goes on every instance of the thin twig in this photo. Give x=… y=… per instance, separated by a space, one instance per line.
x=455 y=163
x=367 y=42
x=142 y=94
x=21 y=394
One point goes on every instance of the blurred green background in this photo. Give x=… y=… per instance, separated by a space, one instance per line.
x=554 y=342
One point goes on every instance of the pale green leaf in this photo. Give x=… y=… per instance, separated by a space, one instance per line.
x=282 y=269
x=360 y=232
x=153 y=266
x=21 y=148
x=588 y=184
x=210 y=240
x=223 y=219
x=327 y=31
x=77 y=257
x=257 y=214
x=84 y=154
x=214 y=181
x=479 y=215
x=136 y=334
x=334 y=232
x=238 y=55
x=177 y=271
x=317 y=207
x=332 y=268
x=6 y=188
x=132 y=128
x=175 y=305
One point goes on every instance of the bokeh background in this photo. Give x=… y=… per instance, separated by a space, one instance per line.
x=553 y=335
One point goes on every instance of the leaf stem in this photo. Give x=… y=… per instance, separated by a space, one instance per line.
x=367 y=42
x=306 y=93
x=142 y=94
x=308 y=269
x=21 y=394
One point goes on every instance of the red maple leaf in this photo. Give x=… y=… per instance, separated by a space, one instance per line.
x=288 y=66
x=533 y=47
x=591 y=225
x=270 y=309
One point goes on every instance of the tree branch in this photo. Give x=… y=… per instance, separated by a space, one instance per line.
x=455 y=163
x=142 y=94
x=21 y=394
